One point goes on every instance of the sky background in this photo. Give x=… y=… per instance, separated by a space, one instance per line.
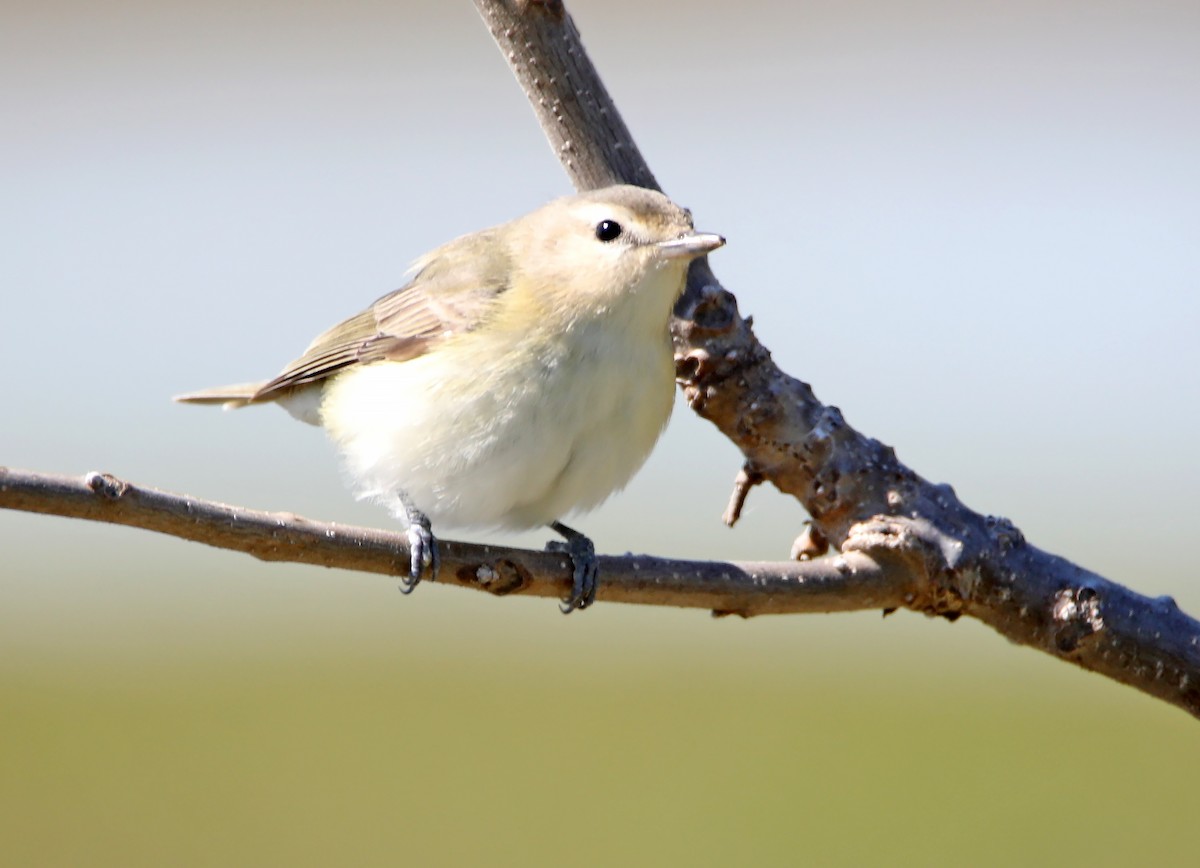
x=975 y=228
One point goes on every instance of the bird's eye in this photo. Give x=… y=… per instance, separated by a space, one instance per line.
x=608 y=230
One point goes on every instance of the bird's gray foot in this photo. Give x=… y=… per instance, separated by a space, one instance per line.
x=422 y=547
x=586 y=567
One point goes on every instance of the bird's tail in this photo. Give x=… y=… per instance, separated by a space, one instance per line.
x=230 y=397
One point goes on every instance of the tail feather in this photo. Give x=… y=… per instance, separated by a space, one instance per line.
x=231 y=397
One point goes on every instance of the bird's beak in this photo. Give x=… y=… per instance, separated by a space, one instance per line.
x=689 y=246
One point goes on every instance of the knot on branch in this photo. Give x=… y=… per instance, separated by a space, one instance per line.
x=935 y=559
x=816 y=450
x=1006 y=535
x=500 y=577
x=106 y=485
x=701 y=370
x=1077 y=615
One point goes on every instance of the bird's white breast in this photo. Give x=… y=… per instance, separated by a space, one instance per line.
x=504 y=430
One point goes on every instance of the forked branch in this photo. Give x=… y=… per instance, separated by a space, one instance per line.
x=904 y=541
x=860 y=496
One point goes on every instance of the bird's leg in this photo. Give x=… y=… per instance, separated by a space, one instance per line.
x=422 y=547
x=586 y=567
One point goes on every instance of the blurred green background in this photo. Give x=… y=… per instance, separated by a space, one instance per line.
x=971 y=226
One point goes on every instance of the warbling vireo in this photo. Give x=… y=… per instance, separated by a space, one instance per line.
x=525 y=372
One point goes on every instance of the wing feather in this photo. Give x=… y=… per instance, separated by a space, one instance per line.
x=453 y=291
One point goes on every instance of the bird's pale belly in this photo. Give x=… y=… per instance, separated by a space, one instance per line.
x=531 y=445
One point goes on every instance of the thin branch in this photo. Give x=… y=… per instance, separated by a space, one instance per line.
x=746 y=479
x=860 y=496
x=834 y=585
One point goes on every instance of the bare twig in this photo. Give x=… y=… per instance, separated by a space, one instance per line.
x=746 y=479
x=833 y=585
x=860 y=496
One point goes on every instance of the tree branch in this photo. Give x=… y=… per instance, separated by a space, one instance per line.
x=833 y=585
x=860 y=496
x=904 y=541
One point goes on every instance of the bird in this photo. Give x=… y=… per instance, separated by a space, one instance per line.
x=522 y=374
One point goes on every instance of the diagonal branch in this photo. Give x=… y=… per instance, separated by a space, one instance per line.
x=860 y=496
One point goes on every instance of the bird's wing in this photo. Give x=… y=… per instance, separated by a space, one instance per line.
x=452 y=292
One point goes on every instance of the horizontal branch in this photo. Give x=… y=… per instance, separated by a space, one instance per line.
x=841 y=584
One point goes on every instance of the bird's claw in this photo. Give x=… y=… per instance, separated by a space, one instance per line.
x=585 y=576
x=423 y=554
